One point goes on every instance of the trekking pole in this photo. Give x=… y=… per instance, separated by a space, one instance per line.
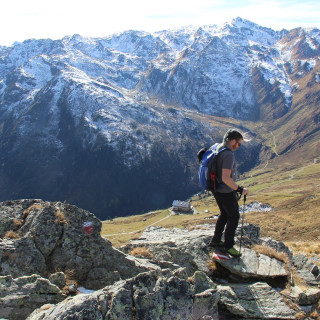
x=243 y=211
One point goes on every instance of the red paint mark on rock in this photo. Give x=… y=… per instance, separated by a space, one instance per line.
x=87 y=228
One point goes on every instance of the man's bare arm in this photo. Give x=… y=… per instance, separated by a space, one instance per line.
x=226 y=178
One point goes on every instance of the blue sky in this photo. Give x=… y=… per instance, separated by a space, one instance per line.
x=26 y=19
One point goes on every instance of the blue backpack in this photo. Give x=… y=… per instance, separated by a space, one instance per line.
x=207 y=169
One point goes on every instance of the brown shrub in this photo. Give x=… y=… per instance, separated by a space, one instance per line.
x=212 y=266
x=142 y=252
x=71 y=281
x=18 y=222
x=46 y=307
x=300 y=315
x=191 y=280
x=69 y=274
x=60 y=218
x=11 y=235
x=310 y=248
x=315 y=314
x=272 y=253
x=26 y=212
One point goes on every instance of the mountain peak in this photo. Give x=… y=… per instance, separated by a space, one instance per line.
x=139 y=98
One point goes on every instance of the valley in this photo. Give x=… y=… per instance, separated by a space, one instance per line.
x=291 y=188
x=98 y=137
x=113 y=124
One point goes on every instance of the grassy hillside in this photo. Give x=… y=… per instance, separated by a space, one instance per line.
x=292 y=190
x=287 y=177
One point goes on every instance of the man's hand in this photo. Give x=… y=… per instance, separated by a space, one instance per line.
x=242 y=191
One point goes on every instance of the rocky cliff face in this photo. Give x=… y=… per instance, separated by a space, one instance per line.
x=42 y=237
x=51 y=252
x=114 y=124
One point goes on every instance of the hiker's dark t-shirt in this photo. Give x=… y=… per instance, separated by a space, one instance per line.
x=225 y=160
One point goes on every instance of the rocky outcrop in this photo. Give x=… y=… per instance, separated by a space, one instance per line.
x=304 y=297
x=188 y=248
x=254 y=301
x=250 y=287
x=307 y=270
x=48 y=249
x=253 y=265
x=277 y=246
x=41 y=237
x=20 y=296
x=153 y=295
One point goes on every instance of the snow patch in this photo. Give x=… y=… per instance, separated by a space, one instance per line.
x=83 y=290
x=308 y=65
x=256 y=207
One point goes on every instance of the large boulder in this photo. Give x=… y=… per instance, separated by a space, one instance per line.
x=182 y=247
x=307 y=270
x=304 y=297
x=42 y=237
x=254 y=301
x=151 y=295
x=277 y=246
x=20 y=296
x=253 y=265
x=189 y=249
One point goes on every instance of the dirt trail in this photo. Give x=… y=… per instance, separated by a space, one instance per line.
x=118 y=234
x=292 y=176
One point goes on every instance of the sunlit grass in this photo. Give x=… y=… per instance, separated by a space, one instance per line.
x=305 y=247
x=293 y=191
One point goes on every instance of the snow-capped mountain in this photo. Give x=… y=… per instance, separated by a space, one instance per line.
x=212 y=71
x=113 y=124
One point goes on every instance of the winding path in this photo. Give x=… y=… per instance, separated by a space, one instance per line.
x=126 y=232
x=315 y=160
x=292 y=176
x=275 y=144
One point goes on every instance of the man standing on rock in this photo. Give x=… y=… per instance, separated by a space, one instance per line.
x=226 y=194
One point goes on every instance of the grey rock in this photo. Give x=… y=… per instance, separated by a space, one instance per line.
x=83 y=307
x=57 y=236
x=252 y=265
x=204 y=305
x=20 y=257
x=202 y=282
x=306 y=297
x=188 y=248
x=307 y=270
x=119 y=298
x=151 y=295
x=185 y=248
x=58 y=278
x=254 y=301
x=277 y=245
x=96 y=276
x=250 y=234
x=167 y=265
x=177 y=300
x=20 y=296
x=134 y=288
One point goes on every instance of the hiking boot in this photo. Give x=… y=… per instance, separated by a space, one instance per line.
x=214 y=244
x=233 y=252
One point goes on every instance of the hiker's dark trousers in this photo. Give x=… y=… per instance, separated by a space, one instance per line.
x=228 y=218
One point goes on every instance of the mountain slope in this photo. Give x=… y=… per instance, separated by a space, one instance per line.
x=114 y=124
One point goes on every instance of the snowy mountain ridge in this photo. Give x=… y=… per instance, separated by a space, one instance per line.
x=137 y=96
